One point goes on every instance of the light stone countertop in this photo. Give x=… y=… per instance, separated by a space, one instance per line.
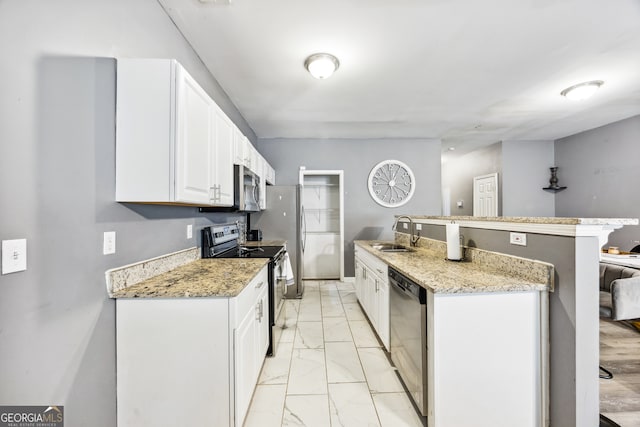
x=429 y=268
x=534 y=220
x=213 y=277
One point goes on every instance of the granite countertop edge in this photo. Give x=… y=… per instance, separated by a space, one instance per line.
x=533 y=220
x=202 y=278
x=431 y=270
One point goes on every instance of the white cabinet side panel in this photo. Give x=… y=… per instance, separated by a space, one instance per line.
x=172 y=362
x=486 y=359
x=143 y=130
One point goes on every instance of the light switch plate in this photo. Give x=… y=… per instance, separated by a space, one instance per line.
x=418 y=227
x=14 y=255
x=109 y=243
x=189 y=231
x=405 y=225
x=518 y=239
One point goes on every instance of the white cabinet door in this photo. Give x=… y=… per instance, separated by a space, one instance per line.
x=245 y=362
x=251 y=340
x=238 y=146
x=262 y=329
x=222 y=159
x=383 y=312
x=372 y=290
x=193 y=140
x=270 y=175
x=359 y=278
x=371 y=296
x=261 y=170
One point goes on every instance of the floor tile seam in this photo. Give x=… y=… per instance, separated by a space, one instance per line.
x=364 y=373
x=286 y=390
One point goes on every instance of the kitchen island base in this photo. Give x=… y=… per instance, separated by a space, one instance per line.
x=487 y=359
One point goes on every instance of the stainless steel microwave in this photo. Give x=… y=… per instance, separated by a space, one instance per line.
x=246 y=189
x=246 y=192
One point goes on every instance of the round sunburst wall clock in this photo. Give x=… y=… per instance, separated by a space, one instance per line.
x=391 y=183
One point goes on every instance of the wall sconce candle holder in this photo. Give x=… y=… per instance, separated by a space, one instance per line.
x=553 y=181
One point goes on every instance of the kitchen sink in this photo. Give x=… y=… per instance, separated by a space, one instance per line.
x=390 y=247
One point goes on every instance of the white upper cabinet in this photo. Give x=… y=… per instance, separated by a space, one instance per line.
x=270 y=174
x=194 y=150
x=173 y=143
x=238 y=147
x=222 y=173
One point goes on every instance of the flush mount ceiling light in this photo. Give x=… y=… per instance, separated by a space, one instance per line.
x=582 y=90
x=321 y=65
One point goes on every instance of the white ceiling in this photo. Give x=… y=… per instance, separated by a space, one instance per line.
x=468 y=72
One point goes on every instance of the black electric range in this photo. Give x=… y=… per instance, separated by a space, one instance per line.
x=221 y=241
x=252 y=252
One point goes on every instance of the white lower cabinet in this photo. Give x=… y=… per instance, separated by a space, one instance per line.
x=372 y=290
x=190 y=361
x=251 y=340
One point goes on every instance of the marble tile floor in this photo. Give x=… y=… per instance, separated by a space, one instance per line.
x=329 y=368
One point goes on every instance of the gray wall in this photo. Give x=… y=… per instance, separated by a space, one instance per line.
x=458 y=174
x=57 y=142
x=601 y=169
x=363 y=217
x=525 y=170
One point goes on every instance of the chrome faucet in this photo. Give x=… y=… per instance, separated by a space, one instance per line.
x=413 y=240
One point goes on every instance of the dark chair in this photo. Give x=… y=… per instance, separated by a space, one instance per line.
x=636 y=249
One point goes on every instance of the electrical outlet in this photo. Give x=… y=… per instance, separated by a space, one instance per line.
x=418 y=227
x=189 y=231
x=109 y=243
x=405 y=225
x=518 y=239
x=14 y=255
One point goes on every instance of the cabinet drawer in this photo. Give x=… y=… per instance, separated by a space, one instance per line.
x=375 y=264
x=250 y=295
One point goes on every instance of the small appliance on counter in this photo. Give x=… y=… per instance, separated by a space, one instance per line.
x=254 y=235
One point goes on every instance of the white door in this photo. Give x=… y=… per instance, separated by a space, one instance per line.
x=485 y=195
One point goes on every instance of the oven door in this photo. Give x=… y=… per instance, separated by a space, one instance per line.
x=277 y=283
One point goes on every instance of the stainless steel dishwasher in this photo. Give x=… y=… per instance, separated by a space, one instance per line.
x=408 y=335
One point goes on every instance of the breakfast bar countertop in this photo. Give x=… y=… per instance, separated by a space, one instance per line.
x=486 y=272
x=200 y=278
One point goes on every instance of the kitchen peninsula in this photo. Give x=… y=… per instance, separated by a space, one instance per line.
x=480 y=330
x=572 y=246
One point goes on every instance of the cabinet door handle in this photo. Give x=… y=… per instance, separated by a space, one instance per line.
x=259 y=285
x=258 y=311
x=377 y=288
x=379 y=271
x=261 y=310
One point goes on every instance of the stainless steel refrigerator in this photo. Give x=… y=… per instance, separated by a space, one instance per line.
x=283 y=220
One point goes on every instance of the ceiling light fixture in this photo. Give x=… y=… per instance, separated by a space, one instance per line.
x=582 y=90
x=321 y=65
